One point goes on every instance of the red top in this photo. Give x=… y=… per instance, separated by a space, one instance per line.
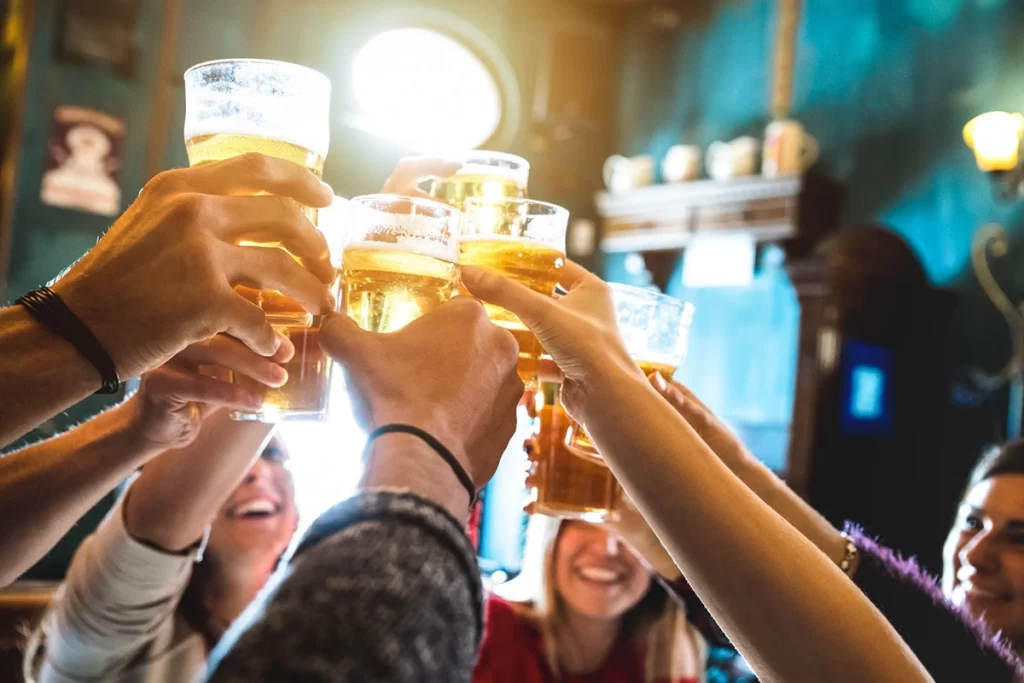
x=513 y=652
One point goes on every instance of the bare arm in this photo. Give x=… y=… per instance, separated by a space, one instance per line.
x=45 y=488
x=40 y=374
x=178 y=493
x=751 y=471
x=773 y=592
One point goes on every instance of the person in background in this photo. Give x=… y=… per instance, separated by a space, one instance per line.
x=953 y=646
x=189 y=544
x=983 y=557
x=586 y=607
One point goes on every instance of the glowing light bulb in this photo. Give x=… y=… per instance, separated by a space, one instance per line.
x=995 y=139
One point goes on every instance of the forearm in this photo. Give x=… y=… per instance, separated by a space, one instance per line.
x=40 y=374
x=383 y=588
x=178 y=493
x=772 y=591
x=45 y=488
x=794 y=509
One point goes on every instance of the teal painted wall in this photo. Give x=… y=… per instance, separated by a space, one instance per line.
x=885 y=86
x=46 y=239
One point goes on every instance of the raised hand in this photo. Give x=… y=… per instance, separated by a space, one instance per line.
x=174 y=399
x=579 y=330
x=163 y=276
x=451 y=373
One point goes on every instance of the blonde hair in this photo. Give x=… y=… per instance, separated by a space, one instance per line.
x=674 y=648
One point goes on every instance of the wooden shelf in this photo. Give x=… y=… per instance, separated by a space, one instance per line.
x=660 y=221
x=667 y=217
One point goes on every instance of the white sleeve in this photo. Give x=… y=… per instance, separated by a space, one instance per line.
x=118 y=597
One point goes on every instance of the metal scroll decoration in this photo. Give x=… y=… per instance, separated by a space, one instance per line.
x=991 y=240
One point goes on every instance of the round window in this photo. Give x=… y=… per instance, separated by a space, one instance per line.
x=425 y=89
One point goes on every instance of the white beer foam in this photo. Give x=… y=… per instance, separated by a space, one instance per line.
x=313 y=140
x=413 y=245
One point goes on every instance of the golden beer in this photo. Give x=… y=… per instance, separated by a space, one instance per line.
x=305 y=392
x=235 y=107
x=656 y=330
x=488 y=175
x=461 y=186
x=577 y=439
x=567 y=485
x=206 y=149
x=528 y=262
x=386 y=286
x=523 y=240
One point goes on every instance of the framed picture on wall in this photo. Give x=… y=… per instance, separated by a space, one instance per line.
x=99 y=32
x=83 y=161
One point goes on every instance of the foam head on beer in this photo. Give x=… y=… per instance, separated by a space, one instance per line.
x=236 y=106
x=656 y=329
x=401 y=259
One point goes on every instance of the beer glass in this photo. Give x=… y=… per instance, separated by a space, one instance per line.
x=249 y=105
x=491 y=175
x=524 y=240
x=401 y=259
x=565 y=484
x=656 y=329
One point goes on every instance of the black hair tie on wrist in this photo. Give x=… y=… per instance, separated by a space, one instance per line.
x=46 y=306
x=446 y=455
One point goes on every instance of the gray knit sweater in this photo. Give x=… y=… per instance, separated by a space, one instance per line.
x=384 y=587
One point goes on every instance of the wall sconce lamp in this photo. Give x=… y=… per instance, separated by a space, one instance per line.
x=995 y=138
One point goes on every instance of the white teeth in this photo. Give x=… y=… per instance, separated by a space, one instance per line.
x=598 y=574
x=259 y=506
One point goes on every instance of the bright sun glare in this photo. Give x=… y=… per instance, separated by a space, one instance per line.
x=426 y=90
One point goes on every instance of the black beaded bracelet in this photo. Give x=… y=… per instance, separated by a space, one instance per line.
x=446 y=455
x=46 y=306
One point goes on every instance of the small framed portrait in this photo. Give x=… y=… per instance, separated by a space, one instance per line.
x=82 y=170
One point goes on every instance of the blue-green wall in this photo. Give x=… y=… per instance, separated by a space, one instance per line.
x=885 y=86
x=47 y=239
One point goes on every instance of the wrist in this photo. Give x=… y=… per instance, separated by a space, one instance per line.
x=435 y=425
x=604 y=386
x=103 y=324
x=131 y=426
x=404 y=461
x=74 y=368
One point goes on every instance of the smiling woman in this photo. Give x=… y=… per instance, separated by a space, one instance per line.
x=143 y=560
x=585 y=608
x=984 y=553
x=427 y=90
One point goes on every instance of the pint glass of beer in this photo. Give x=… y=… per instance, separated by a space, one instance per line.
x=567 y=485
x=656 y=329
x=401 y=259
x=248 y=105
x=524 y=240
x=491 y=175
